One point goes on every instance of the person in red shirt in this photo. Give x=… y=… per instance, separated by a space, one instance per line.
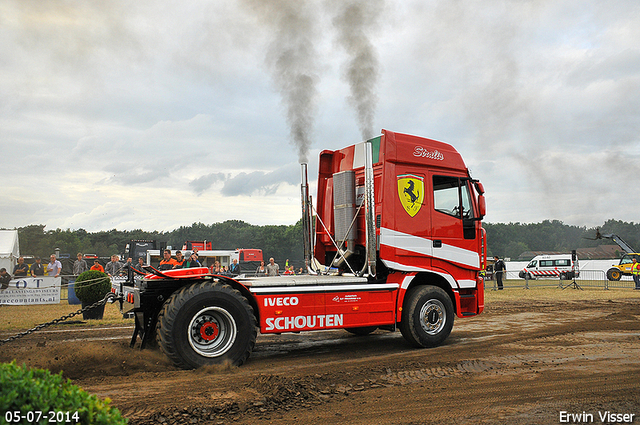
x=97 y=266
x=167 y=262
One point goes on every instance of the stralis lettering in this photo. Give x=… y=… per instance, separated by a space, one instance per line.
x=421 y=152
x=280 y=301
x=304 y=322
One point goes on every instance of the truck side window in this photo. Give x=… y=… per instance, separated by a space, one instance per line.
x=448 y=192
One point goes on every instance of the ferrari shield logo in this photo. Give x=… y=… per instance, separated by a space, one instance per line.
x=411 y=192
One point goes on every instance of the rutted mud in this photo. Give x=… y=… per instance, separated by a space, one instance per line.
x=518 y=363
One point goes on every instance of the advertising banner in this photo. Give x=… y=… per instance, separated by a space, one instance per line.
x=32 y=290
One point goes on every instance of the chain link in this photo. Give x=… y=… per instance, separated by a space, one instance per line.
x=109 y=296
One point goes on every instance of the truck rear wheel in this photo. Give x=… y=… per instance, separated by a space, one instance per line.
x=427 y=316
x=206 y=323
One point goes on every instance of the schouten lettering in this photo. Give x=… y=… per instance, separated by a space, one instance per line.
x=304 y=322
x=280 y=301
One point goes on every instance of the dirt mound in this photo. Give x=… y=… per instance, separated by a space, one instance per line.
x=80 y=358
x=96 y=359
x=621 y=317
x=264 y=395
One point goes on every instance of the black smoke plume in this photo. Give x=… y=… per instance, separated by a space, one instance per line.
x=354 y=20
x=292 y=59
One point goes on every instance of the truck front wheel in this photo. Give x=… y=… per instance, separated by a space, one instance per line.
x=427 y=316
x=206 y=323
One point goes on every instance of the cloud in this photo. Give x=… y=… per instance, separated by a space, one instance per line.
x=107 y=108
x=258 y=182
x=203 y=183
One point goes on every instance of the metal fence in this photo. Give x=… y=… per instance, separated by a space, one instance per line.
x=67 y=280
x=588 y=279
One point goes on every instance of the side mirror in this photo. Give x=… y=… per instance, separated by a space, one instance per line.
x=482 y=206
x=479 y=187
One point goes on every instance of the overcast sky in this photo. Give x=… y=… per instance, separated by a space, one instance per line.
x=157 y=114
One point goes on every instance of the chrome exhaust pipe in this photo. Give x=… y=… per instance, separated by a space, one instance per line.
x=370 y=213
x=307 y=238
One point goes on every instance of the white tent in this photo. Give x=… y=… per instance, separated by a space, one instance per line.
x=9 y=249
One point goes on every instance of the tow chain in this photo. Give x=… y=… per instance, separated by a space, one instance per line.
x=109 y=296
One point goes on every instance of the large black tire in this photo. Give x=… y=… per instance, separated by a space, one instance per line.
x=427 y=316
x=205 y=324
x=362 y=331
x=614 y=274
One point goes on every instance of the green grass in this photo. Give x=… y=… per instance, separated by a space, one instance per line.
x=23 y=317
x=549 y=290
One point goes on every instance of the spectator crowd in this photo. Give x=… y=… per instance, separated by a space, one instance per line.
x=115 y=267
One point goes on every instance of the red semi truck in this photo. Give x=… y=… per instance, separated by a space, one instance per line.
x=397 y=243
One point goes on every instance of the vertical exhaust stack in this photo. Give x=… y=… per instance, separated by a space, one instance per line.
x=370 y=207
x=306 y=219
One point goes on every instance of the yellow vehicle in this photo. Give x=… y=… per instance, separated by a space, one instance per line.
x=624 y=268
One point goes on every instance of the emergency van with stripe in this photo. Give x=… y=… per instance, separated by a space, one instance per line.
x=562 y=266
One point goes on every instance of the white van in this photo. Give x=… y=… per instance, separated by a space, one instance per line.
x=562 y=266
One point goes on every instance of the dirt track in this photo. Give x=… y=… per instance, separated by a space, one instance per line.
x=517 y=363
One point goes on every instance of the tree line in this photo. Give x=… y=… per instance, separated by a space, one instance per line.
x=282 y=242
x=512 y=239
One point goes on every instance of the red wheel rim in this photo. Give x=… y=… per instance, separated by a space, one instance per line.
x=209 y=331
